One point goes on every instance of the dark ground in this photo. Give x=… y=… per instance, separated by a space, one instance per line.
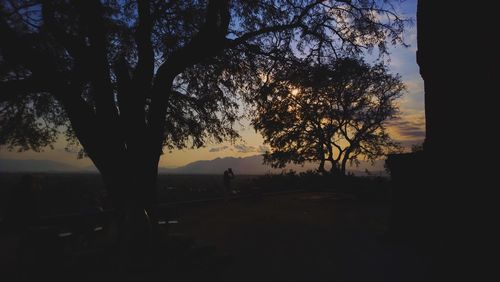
x=303 y=237
x=313 y=236
x=62 y=193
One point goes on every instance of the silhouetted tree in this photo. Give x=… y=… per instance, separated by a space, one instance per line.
x=127 y=79
x=332 y=112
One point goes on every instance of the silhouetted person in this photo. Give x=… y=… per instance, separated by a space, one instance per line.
x=228 y=175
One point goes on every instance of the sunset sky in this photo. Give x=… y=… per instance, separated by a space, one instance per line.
x=409 y=129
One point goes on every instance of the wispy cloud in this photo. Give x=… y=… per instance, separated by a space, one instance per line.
x=242 y=148
x=263 y=148
x=218 y=149
x=408 y=128
x=416 y=133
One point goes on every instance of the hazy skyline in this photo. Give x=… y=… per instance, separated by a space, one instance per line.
x=409 y=129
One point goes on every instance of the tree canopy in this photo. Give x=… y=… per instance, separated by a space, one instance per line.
x=127 y=78
x=333 y=112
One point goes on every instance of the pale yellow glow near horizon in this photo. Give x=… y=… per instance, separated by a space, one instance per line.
x=178 y=158
x=175 y=158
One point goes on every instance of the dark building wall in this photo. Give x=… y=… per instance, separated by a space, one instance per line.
x=438 y=60
x=459 y=62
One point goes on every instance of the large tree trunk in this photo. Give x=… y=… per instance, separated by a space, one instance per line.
x=334 y=170
x=132 y=191
x=124 y=147
x=345 y=159
x=321 y=168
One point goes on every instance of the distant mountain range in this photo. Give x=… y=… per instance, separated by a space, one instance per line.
x=246 y=165
x=254 y=165
x=10 y=165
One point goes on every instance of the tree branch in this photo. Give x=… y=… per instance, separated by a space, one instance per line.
x=15 y=49
x=144 y=71
x=296 y=22
x=124 y=87
x=92 y=15
x=208 y=42
x=74 y=46
x=9 y=90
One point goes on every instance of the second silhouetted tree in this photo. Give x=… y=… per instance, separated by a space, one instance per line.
x=334 y=112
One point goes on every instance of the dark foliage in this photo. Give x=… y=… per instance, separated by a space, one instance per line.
x=334 y=112
x=128 y=78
